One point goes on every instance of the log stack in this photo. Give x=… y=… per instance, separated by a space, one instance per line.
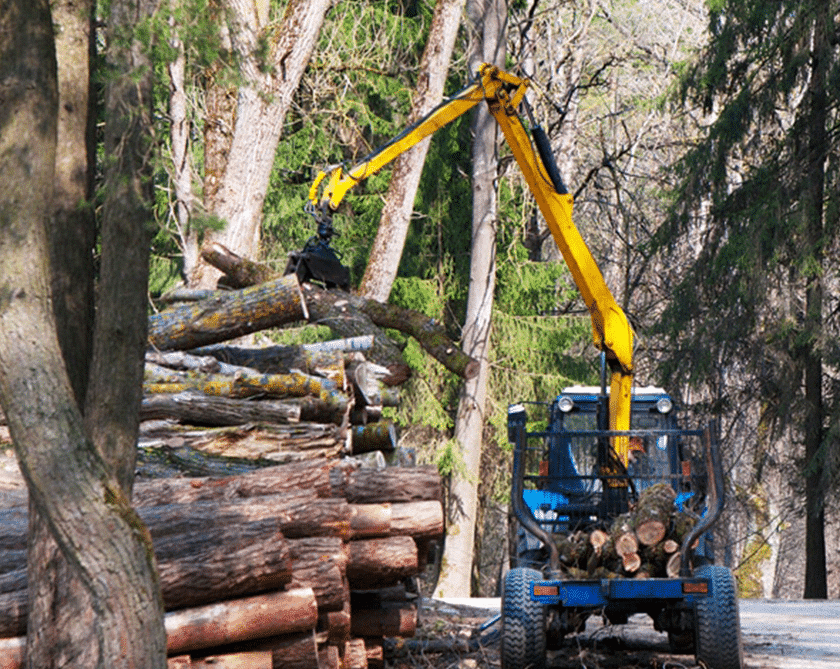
x=276 y=545
x=643 y=543
x=298 y=566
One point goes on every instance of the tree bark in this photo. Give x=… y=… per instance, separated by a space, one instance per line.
x=71 y=237
x=261 y=105
x=816 y=580
x=228 y=315
x=241 y=620
x=69 y=483
x=402 y=190
x=488 y=18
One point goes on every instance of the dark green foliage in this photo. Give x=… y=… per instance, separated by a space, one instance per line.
x=758 y=198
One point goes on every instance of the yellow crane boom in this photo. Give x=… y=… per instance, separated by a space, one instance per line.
x=503 y=93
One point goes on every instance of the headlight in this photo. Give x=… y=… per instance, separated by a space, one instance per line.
x=565 y=404
x=516 y=419
x=664 y=405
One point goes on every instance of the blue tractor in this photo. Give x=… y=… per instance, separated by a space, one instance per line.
x=567 y=482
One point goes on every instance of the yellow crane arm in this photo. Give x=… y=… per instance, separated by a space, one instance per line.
x=503 y=93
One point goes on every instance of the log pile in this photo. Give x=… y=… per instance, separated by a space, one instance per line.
x=276 y=545
x=643 y=543
x=300 y=566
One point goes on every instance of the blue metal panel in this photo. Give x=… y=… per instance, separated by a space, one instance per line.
x=648 y=588
x=593 y=594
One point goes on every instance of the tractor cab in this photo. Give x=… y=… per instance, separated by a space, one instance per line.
x=570 y=477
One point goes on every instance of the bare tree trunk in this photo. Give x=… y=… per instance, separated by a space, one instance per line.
x=70 y=486
x=488 y=18
x=262 y=102
x=816 y=586
x=399 y=202
x=182 y=172
x=59 y=597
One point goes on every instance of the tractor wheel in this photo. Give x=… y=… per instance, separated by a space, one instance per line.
x=718 y=636
x=523 y=622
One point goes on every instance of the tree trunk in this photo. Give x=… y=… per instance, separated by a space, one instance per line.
x=69 y=483
x=261 y=105
x=71 y=237
x=488 y=19
x=816 y=586
x=402 y=190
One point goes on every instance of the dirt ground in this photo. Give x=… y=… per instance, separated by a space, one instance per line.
x=456 y=636
x=777 y=634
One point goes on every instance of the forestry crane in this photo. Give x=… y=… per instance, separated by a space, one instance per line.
x=614 y=504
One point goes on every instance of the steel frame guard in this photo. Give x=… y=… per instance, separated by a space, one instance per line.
x=716 y=496
x=522 y=512
x=716 y=493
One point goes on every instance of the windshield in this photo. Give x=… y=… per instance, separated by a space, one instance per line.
x=649 y=458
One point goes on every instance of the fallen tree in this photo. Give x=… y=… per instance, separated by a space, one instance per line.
x=351 y=315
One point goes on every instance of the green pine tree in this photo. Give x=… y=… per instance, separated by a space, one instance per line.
x=759 y=199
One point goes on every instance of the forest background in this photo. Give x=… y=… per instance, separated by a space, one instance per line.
x=662 y=114
x=697 y=137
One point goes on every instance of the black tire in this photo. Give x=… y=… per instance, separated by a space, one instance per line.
x=718 y=636
x=523 y=622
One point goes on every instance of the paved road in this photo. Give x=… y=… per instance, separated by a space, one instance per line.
x=781 y=634
x=778 y=634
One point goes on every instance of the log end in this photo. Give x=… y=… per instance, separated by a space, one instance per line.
x=471 y=369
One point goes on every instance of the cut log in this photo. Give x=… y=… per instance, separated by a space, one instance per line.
x=196 y=568
x=419 y=520
x=282 y=359
x=631 y=562
x=324 y=477
x=297 y=651
x=222 y=563
x=238 y=386
x=228 y=315
x=196 y=408
x=652 y=515
x=241 y=620
x=598 y=539
x=334 y=308
x=355 y=654
x=394 y=484
x=296 y=514
x=161 y=458
x=239 y=272
x=278 y=443
x=375 y=650
x=329 y=657
x=255 y=659
x=369 y=382
x=389 y=620
x=320 y=563
x=336 y=624
x=672 y=568
x=426 y=331
x=373 y=437
x=374 y=563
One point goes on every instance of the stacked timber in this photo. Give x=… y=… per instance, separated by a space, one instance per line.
x=276 y=545
x=301 y=566
x=643 y=543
